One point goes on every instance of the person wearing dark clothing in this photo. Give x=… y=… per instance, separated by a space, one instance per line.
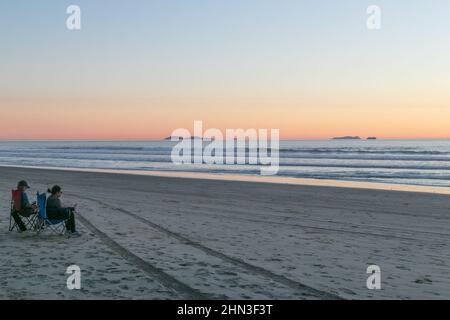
x=56 y=210
x=27 y=209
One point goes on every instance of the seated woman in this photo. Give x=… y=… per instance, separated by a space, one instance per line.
x=55 y=210
x=26 y=208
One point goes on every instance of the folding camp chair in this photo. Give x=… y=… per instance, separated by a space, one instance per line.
x=56 y=226
x=30 y=222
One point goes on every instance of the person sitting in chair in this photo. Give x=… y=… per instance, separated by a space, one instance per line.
x=55 y=210
x=27 y=209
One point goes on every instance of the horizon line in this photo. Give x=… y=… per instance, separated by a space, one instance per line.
x=164 y=139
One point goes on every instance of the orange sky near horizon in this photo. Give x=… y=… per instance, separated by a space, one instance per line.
x=309 y=118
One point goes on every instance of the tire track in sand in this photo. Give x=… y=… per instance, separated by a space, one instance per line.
x=149 y=269
x=298 y=286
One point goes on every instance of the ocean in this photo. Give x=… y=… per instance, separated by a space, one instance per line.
x=412 y=162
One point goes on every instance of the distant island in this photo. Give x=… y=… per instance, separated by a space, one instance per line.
x=353 y=138
x=347 y=138
x=188 y=138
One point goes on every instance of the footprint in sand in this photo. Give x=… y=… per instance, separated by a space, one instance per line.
x=424 y=280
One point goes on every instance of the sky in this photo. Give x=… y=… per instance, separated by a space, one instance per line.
x=140 y=69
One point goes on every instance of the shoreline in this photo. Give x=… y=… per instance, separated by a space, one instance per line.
x=254 y=178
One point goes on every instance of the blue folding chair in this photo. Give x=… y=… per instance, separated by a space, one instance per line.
x=56 y=226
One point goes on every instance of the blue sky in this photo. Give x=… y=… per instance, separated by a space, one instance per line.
x=205 y=40
x=279 y=49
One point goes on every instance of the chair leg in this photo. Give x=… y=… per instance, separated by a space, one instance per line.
x=31 y=222
x=40 y=225
x=12 y=223
x=35 y=223
x=39 y=229
x=58 y=229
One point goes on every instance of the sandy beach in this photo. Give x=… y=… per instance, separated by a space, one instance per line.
x=148 y=237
